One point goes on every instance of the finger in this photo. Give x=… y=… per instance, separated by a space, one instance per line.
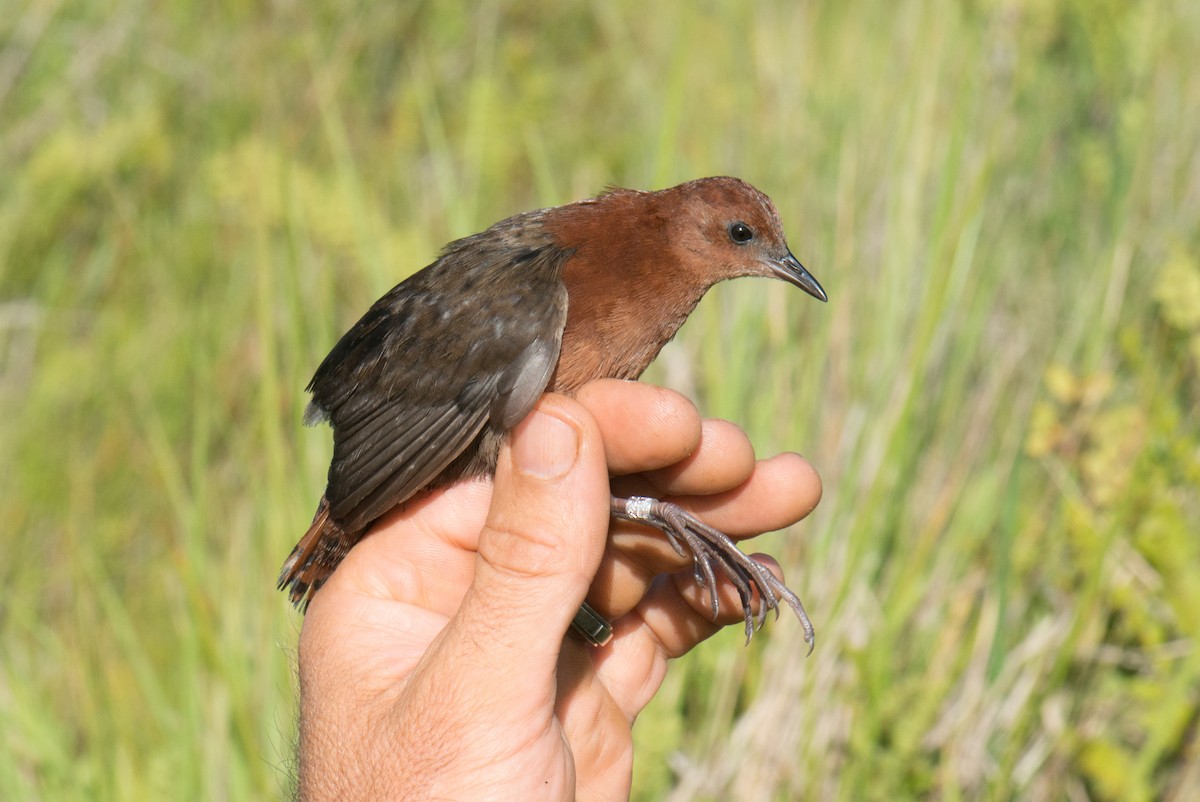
x=672 y=619
x=723 y=460
x=783 y=490
x=644 y=427
x=678 y=612
x=543 y=539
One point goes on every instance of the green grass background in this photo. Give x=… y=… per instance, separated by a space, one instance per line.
x=1002 y=198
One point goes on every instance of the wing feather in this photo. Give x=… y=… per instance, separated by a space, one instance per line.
x=416 y=445
x=453 y=350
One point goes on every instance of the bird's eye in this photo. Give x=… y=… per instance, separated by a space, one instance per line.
x=740 y=233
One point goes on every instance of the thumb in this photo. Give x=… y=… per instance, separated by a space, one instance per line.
x=545 y=532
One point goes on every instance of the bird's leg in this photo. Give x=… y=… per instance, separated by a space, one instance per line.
x=709 y=546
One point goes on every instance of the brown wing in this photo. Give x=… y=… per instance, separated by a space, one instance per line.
x=468 y=342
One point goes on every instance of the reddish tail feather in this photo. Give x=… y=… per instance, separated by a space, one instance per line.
x=314 y=558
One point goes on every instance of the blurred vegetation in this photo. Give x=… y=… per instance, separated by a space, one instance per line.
x=1002 y=198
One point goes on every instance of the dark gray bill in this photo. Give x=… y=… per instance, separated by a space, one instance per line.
x=790 y=270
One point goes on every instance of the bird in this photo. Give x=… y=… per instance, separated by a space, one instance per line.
x=423 y=390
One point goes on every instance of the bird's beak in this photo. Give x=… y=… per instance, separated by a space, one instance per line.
x=790 y=270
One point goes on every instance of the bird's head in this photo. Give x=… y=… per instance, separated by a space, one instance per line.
x=727 y=226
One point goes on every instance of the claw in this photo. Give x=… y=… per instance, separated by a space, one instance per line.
x=686 y=533
x=710 y=582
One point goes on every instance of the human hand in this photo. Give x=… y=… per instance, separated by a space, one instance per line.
x=434 y=663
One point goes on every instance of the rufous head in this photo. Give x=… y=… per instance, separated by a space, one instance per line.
x=736 y=231
x=639 y=263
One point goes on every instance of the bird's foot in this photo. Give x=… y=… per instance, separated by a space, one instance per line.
x=710 y=547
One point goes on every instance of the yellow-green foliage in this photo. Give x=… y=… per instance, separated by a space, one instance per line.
x=1002 y=198
x=1121 y=445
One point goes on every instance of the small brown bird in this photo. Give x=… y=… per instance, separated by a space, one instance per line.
x=422 y=391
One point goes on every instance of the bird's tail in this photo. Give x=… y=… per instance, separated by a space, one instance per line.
x=314 y=558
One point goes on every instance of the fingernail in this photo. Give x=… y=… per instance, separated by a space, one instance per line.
x=544 y=446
